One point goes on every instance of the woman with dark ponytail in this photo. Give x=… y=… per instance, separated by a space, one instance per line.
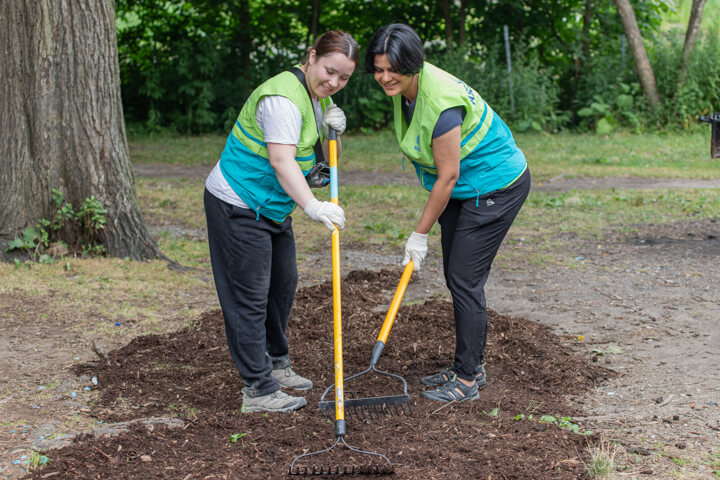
x=478 y=179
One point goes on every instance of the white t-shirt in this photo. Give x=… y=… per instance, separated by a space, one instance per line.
x=280 y=120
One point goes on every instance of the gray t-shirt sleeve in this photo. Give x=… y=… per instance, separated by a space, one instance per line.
x=449 y=119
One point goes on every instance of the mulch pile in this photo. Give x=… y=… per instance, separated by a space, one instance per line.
x=189 y=375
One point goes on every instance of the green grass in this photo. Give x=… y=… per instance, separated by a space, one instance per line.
x=682 y=155
x=383 y=216
x=678 y=155
x=591 y=212
x=176 y=150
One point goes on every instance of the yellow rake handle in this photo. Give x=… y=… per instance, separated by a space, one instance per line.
x=337 y=317
x=395 y=304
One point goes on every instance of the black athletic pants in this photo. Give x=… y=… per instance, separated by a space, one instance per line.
x=471 y=233
x=255 y=271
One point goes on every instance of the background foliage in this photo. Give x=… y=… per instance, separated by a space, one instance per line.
x=188 y=65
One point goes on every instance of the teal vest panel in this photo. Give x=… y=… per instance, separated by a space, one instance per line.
x=244 y=162
x=495 y=163
x=490 y=159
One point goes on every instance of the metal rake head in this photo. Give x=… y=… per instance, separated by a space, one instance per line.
x=342 y=470
x=370 y=407
x=383 y=466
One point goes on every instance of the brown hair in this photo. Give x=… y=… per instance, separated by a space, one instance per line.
x=336 y=41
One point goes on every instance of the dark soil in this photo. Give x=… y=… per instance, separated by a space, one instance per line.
x=189 y=375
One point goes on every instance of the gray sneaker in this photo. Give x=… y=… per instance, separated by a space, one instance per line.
x=277 y=401
x=286 y=377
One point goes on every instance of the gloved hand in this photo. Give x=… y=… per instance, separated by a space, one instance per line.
x=415 y=250
x=333 y=118
x=327 y=213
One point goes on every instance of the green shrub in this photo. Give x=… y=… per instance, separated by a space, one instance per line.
x=82 y=229
x=683 y=100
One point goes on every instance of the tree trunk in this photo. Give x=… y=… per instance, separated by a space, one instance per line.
x=582 y=61
x=637 y=48
x=61 y=120
x=448 y=25
x=313 y=30
x=691 y=35
x=463 y=17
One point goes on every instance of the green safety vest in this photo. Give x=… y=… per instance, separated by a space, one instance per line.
x=244 y=161
x=489 y=158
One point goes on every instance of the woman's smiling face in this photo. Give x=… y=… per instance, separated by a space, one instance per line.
x=393 y=83
x=328 y=74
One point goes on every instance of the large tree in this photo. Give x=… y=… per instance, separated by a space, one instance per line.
x=637 y=49
x=61 y=120
x=691 y=34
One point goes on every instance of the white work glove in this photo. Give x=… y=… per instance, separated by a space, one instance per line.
x=333 y=118
x=415 y=250
x=327 y=213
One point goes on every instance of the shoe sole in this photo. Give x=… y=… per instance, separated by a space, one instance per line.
x=302 y=388
x=479 y=381
x=255 y=409
x=466 y=399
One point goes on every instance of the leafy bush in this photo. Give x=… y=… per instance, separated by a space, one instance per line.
x=683 y=100
x=89 y=222
x=534 y=92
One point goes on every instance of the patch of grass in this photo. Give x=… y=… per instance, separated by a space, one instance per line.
x=602 y=460
x=377 y=152
x=36 y=460
x=176 y=202
x=591 y=212
x=677 y=155
x=95 y=294
x=177 y=149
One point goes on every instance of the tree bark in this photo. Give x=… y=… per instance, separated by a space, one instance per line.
x=313 y=30
x=61 y=120
x=637 y=48
x=691 y=35
x=463 y=17
x=448 y=24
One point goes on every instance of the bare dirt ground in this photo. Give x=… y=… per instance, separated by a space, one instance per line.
x=645 y=306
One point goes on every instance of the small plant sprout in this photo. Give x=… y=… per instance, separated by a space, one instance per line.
x=237 y=436
x=36 y=460
x=494 y=412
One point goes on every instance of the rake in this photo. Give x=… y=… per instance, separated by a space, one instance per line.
x=368 y=407
x=301 y=465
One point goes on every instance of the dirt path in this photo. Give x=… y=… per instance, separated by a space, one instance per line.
x=646 y=306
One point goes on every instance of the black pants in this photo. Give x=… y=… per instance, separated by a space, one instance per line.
x=255 y=271
x=471 y=233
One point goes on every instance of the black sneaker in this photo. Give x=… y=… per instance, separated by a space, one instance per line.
x=444 y=376
x=452 y=391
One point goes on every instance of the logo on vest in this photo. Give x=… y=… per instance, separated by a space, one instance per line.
x=417 y=143
x=468 y=91
x=489 y=202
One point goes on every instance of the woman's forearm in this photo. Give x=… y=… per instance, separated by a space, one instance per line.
x=446 y=154
x=291 y=178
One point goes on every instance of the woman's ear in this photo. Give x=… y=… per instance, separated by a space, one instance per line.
x=311 y=56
